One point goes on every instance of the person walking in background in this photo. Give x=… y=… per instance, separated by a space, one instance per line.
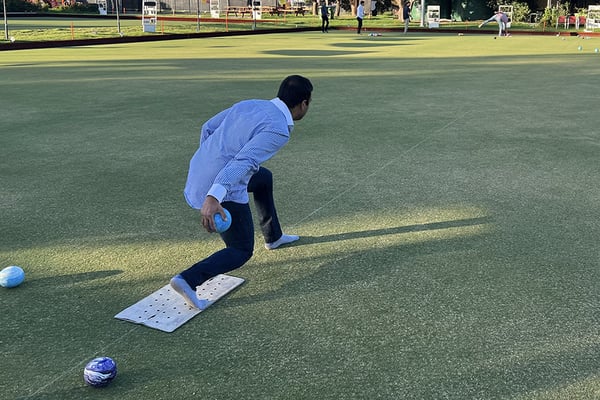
x=502 y=20
x=406 y=10
x=227 y=166
x=360 y=15
x=324 y=17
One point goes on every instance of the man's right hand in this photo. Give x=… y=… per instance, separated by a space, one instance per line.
x=211 y=207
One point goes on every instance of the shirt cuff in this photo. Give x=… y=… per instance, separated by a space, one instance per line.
x=218 y=192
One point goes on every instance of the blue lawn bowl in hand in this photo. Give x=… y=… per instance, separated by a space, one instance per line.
x=12 y=276
x=220 y=224
x=100 y=371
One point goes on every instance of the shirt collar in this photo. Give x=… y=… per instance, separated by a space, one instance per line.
x=285 y=110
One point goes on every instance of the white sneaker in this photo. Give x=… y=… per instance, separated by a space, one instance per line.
x=185 y=290
x=284 y=239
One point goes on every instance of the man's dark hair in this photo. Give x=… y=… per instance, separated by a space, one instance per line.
x=294 y=90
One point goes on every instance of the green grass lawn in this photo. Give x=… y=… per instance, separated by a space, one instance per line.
x=445 y=188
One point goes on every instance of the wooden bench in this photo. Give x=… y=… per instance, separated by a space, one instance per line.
x=298 y=10
x=281 y=11
x=238 y=11
x=242 y=11
x=269 y=9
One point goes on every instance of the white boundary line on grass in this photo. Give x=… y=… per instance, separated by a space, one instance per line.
x=81 y=364
x=378 y=170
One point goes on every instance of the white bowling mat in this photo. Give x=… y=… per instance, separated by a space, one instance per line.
x=166 y=310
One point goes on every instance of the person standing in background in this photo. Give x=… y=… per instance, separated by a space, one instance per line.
x=360 y=15
x=406 y=10
x=324 y=17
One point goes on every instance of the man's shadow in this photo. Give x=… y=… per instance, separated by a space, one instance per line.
x=305 y=240
x=335 y=271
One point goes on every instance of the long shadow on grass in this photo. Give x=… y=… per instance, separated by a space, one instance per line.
x=373 y=43
x=393 y=231
x=312 y=53
x=336 y=270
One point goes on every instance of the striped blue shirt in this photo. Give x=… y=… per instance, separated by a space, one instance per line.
x=233 y=144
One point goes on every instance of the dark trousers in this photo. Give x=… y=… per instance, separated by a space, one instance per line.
x=359 y=24
x=239 y=238
x=324 y=23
